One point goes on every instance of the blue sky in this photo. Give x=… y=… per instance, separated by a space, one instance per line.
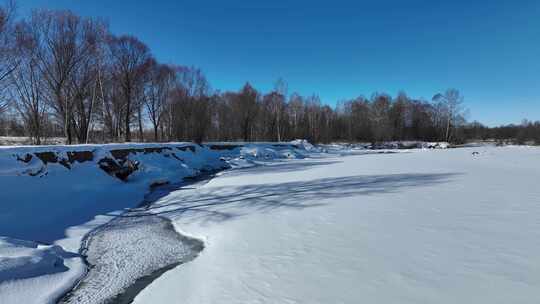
x=489 y=50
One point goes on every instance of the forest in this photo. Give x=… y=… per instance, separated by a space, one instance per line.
x=63 y=75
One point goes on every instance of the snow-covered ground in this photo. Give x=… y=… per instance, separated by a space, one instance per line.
x=289 y=223
x=420 y=227
x=35 y=273
x=22 y=140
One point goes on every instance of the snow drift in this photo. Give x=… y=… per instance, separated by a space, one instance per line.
x=24 y=259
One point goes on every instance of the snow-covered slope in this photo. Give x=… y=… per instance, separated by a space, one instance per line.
x=421 y=227
x=45 y=190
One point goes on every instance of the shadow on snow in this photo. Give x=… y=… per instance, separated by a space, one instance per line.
x=216 y=204
x=280 y=167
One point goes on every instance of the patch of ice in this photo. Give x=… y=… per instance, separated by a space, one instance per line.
x=128 y=248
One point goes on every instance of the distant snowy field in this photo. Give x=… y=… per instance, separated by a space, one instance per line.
x=417 y=227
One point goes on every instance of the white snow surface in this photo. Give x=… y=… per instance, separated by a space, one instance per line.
x=437 y=226
x=32 y=273
x=22 y=259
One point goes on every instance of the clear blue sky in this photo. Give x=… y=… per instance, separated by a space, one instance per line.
x=489 y=50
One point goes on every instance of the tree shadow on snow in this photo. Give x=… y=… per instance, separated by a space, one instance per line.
x=217 y=204
x=280 y=167
x=188 y=184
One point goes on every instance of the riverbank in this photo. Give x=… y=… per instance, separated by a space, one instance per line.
x=71 y=191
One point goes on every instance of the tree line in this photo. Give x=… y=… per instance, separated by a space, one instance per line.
x=68 y=76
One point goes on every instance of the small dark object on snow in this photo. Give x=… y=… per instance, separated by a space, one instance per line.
x=475 y=153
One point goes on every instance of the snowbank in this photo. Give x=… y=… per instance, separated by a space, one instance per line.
x=24 y=259
x=269 y=152
x=388 y=145
x=66 y=186
x=436 y=145
x=35 y=273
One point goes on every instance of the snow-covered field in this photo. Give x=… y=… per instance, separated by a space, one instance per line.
x=284 y=225
x=418 y=227
x=21 y=140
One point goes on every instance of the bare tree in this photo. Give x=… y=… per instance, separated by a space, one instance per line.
x=129 y=58
x=380 y=118
x=84 y=85
x=29 y=82
x=245 y=105
x=63 y=41
x=312 y=129
x=278 y=104
x=8 y=60
x=189 y=116
x=295 y=111
x=157 y=92
x=397 y=116
x=451 y=103
x=360 y=120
